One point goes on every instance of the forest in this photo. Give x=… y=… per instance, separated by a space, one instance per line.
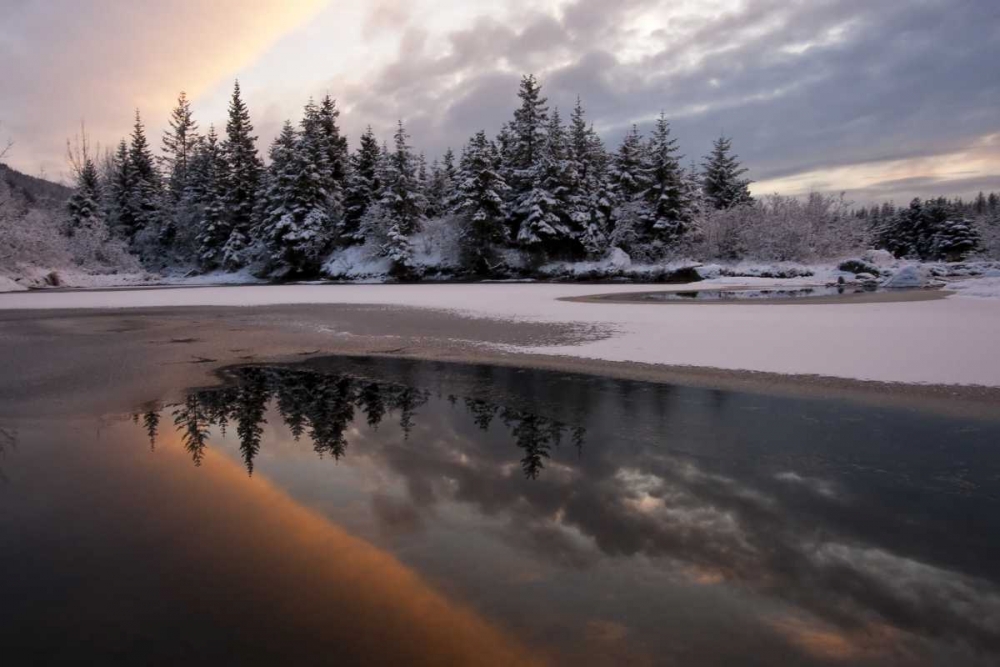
x=542 y=191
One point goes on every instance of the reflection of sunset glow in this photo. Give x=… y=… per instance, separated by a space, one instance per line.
x=829 y=644
x=314 y=571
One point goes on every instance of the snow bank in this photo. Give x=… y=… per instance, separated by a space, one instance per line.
x=987 y=287
x=907 y=277
x=946 y=341
x=241 y=277
x=357 y=263
x=8 y=285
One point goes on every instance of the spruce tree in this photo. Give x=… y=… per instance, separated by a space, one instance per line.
x=402 y=205
x=334 y=145
x=278 y=194
x=84 y=206
x=590 y=197
x=722 y=184
x=363 y=186
x=179 y=143
x=435 y=190
x=423 y=175
x=628 y=181
x=628 y=178
x=244 y=172
x=526 y=146
x=450 y=178
x=505 y=158
x=297 y=210
x=481 y=192
x=954 y=239
x=668 y=211
x=144 y=198
x=207 y=192
x=119 y=194
x=980 y=205
x=547 y=223
x=602 y=198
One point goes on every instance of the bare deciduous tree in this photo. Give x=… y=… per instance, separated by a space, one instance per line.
x=78 y=151
x=5 y=146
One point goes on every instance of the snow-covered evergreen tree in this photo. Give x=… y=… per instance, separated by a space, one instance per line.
x=481 y=206
x=277 y=198
x=243 y=176
x=722 y=181
x=206 y=195
x=402 y=205
x=548 y=205
x=145 y=195
x=449 y=185
x=526 y=143
x=928 y=230
x=423 y=174
x=179 y=143
x=298 y=220
x=954 y=239
x=363 y=186
x=628 y=181
x=590 y=197
x=436 y=189
x=118 y=193
x=334 y=145
x=505 y=158
x=84 y=206
x=668 y=210
x=628 y=177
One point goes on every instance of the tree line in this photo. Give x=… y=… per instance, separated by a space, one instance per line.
x=541 y=189
x=936 y=228
x=542 y=186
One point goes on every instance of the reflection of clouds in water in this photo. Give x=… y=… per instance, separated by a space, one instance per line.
x=717 y=529
x=781 y=533
x=818 y=486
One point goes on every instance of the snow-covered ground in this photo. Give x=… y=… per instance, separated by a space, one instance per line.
x=950 y=341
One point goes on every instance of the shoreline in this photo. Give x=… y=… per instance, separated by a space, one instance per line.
x=122 y=358
x=973 y=401
x=905 y=295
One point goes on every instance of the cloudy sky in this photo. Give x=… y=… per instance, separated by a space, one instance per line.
x=883 y=99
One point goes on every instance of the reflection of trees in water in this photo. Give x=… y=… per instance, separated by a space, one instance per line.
x=8 y=441
x=324 y=406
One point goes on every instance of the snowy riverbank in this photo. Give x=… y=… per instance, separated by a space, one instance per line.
x=944 y=341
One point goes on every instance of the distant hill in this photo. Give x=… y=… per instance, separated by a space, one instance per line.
x=35 y=191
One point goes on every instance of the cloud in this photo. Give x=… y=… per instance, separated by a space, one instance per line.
x=99 y=60
x=804 y=88
x=812 y=92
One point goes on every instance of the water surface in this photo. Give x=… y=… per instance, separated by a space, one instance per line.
x=398 y=512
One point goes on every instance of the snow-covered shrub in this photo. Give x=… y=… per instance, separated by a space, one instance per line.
x=436 y=248
x=33 y=241
x=778 y=228
x=743 y=270
x=32 y=237
x=878 y=257
x=989 y=237
x=858 y=266
x=907 y=277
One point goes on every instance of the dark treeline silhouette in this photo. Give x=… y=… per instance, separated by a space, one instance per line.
x=323 y=406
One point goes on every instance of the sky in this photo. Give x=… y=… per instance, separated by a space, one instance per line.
x=884 y=100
